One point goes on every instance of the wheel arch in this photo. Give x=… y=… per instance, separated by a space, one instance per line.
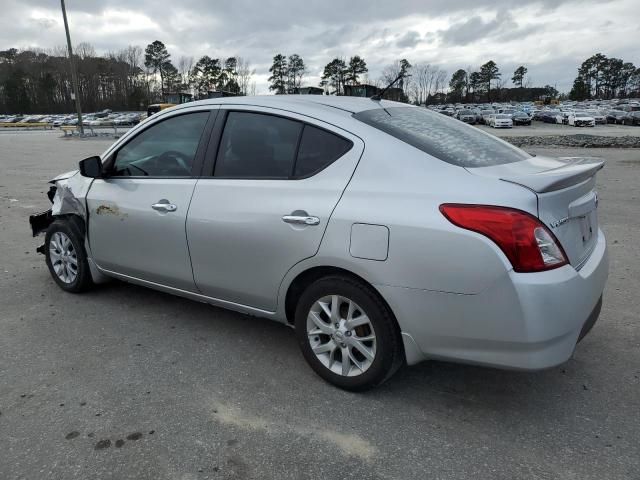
x=75 y=221
x=306 y=277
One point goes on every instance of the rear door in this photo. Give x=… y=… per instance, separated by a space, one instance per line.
x=266 y=204
x=137 y=213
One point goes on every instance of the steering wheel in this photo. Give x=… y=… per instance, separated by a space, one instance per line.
x=181 y=161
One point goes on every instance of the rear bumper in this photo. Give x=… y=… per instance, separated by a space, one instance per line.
x=522 y=321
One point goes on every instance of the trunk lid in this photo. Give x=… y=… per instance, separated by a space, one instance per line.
x=567 y=198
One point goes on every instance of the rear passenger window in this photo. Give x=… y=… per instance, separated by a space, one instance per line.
x=318 y=149
x=254 y=145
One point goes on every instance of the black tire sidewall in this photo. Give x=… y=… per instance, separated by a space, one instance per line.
x=387 y=336
x=71 y=230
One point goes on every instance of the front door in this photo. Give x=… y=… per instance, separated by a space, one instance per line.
x=267 y=202
x=137 y=213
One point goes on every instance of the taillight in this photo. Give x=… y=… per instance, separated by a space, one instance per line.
x=527 y=243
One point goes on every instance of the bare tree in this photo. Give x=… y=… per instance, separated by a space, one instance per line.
x=84 y=50
x=422 y=81
x=245 y=73
x=58 y=51
x=440 y=81
x=185 y=65
x=399 y=68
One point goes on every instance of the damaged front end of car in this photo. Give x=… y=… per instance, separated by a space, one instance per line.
x=67 y=195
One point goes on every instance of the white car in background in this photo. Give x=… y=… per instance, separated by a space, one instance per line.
x=581 y=119
x=561 y=117
x=599 y=117
x=500 y=120
x=485 y=114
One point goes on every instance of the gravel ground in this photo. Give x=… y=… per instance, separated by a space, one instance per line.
x=579 y=140
x=548 y=135
x=128 y=383
x=541 y=129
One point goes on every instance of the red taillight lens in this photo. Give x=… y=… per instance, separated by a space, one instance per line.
x=527 y=243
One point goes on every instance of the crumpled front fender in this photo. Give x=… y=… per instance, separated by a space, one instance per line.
x=68 y=196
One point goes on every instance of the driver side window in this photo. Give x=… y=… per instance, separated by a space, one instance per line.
x=166 y=149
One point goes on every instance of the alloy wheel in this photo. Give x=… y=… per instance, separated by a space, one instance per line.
x=64 y=259
x=341 y=335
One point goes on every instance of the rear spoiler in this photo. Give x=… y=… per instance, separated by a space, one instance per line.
x=543 y=174
x=574 y=171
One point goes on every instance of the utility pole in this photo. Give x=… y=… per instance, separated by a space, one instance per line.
x=74 y=74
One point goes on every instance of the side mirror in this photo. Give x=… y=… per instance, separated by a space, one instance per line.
x=91 y=167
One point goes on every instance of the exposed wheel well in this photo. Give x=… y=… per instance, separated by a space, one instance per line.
x=75 y=221
x=306 y=278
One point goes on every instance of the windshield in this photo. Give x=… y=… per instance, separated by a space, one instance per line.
x=581 y=115
x=442 y=137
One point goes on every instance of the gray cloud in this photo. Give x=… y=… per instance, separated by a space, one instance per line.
x=475 y=28
x=45 y=23
x=409 y=39
x=450 y=34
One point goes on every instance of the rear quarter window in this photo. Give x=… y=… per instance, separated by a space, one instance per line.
x=442 y=137
x=318 y=149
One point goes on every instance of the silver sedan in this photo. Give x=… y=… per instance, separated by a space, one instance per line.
x=385 y=234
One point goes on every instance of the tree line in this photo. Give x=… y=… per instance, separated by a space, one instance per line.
x=39 y=81
x=419 y=83
x=36 y=80
x=603 y=77
x=423 y=83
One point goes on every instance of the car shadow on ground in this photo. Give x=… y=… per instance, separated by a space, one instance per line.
x=433 y=383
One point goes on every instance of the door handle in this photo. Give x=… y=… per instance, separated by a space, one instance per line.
x=301 y=219
x=164 y=206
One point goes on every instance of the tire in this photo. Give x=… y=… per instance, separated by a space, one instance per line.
x=385 y=353
x=66 y=256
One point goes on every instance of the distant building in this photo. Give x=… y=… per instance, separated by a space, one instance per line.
x=177 y=97
x=368 y=91
x=220 y=93
x=306 y=91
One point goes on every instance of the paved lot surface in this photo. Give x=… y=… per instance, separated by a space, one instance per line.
x=128 y=383
x=543 y=129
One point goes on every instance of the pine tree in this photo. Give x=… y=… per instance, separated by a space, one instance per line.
x=156 y=57
x=357 y=66
x=278 y=78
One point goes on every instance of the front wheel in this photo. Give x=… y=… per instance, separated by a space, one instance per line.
x=66 y=256
x=347 y=334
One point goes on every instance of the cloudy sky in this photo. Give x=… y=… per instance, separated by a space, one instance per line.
x=550 y=37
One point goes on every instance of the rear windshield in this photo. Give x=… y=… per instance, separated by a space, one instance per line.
x=442 y=137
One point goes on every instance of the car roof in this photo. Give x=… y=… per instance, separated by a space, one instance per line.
x=305 y=102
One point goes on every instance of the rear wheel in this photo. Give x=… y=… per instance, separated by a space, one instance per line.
x=347 y=334
x=66 y=257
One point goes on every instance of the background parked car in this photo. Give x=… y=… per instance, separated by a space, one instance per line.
x=631 y=118
x=561 y=118
x=466 y=116
x=521 y=118
x=500 y=120
x=599 y=117
x=581 y=119
x=485 y=116
x=615 y=116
